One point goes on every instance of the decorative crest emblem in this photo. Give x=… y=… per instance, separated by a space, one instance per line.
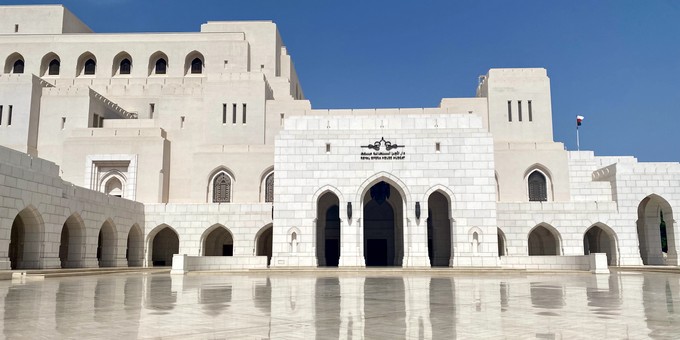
x=378 y=144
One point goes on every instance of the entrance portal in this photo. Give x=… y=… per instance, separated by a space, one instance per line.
x=328 y=230
x=383 y=226
x=656 y=232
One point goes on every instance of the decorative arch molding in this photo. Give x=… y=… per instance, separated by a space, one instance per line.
x=656 y=231
x=25 y=248
x=113 y=175
x=154 y=60
x=323 y=190
x=207 y=233
x=294 y=239
x=135 y=246
x=612 y=243
x=11 y=61
x=161 y=255
x=543 y=170
x=388 y=178
x=118 y=68
x=475 y=239
x=83 y=61
x=210 y=184
x=446 y=192
x=50 y=65
x=155 y=230
x=191 y=66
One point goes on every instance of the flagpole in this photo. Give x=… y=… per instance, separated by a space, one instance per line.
x=578 y=144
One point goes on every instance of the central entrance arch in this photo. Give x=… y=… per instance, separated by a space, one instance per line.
x=383 y=225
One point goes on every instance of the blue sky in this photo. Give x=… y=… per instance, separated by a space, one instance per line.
x=615 y=62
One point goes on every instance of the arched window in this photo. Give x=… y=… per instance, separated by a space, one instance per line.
x=53 y=68
x=18 y=66
x=125 y=66
x=161 y=66
x=269 y=188
x=538 y=188
x=222 y=188
x=90 y=67
x=114 y=187
x=196 y=66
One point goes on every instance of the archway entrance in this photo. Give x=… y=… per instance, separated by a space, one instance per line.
x=106 y=245
x=543 y=241
x=328 y=230
x=218 y=242
x=502 y=249
x=263 y=243
x=655 y=231
x=599 y=240
x=438 y=229
x=72 y=241
x=135 y=247
x=25 y=240
x=165 y=244
x=383 y=226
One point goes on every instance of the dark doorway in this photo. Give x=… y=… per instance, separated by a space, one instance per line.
x=332 y=252
x=376 y=254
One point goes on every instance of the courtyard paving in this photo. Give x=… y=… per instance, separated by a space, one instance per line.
x=347 y=305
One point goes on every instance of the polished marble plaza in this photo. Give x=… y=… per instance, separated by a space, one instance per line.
x=329 y=305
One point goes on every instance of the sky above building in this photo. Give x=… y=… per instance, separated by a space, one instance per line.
x=617 y=63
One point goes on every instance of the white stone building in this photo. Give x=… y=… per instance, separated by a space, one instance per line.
x=216 y=154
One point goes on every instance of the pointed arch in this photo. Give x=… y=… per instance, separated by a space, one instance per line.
x=15 y=63
x=544 y=239
x=50 y=65
x=267 y=185
x=328 y=224
x=656 y=231
x=194 y=63
x=158 y=63
x=26 y=239
x=162 y=243
x=220 y=187
x=135 y=247
x=439 y=212
x=72 y=244
x=263 y=242
x=122 y=64
x=389 y=179
x=538 y=183
x=502 y=242
x=217 y=240
x=87 y=64
x=600 y=238
x=107 y=245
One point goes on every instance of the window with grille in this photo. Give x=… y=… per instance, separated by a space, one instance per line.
x=269 y=188
x=221 y=188
x=538 y=190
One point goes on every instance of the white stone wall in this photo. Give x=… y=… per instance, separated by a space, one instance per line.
x=34 y=184
x=462 y=170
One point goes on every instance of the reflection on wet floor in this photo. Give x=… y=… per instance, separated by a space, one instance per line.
x=359 y=305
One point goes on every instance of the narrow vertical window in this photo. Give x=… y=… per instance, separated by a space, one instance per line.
x=222 y=188
x=269 y=188
x=197 y=66
x=519 y=110
x=437 y=147
x=233 y=113
x=161 y=66
x=9 y=116
x=16 y=28
x=0 y=114
x=125 y=66
x=244 y=113
x=90 y=67
x=18 y=67
x=152 y=109
x=95 y=120
x=181 y=122
x=283 y=116
x=63 y=122
x=224 y=113
x=509 y=111
x=538 y=189
x=226 y=62
x=53 y=68
x=328 y=147
x=101 y=121
x=531 y=118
